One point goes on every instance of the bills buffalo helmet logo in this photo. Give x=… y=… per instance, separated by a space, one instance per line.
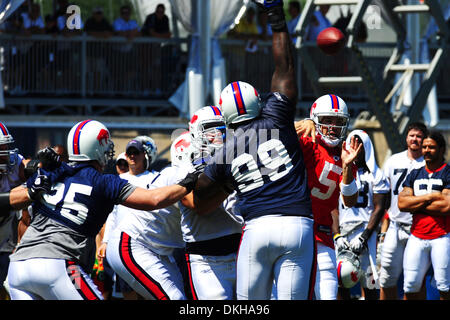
x=103 y=135
x=182 y=145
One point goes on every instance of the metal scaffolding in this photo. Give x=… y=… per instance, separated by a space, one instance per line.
x=394 y=124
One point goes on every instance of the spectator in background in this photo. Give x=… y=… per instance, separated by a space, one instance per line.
x=157 y=24
x=61 y=8
x=121 y=163
x=247 y=29
x=294 y=12
x=50 y=25
x=97 y=25
x=127 y=55
x=318 y=23
x=264 y=28
x=124 y=25
x=32 y=20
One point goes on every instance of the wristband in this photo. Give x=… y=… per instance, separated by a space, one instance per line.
x=337 y=235
x=349 y=189
x=366 y=234
x=276 y=19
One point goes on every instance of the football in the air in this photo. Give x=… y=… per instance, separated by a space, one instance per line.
x=330 y=40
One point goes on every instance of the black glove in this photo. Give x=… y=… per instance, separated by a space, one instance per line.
x=31 y=168
x=40 y=186
x=190 y=180
x=275 y=13
x=49 y=158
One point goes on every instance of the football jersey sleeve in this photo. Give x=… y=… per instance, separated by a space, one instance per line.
x=114 y=188
x=216 y=170
x=381 y=183
x=279 y=108
x=409 y=180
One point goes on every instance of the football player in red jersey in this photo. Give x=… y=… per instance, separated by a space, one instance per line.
x=329 y=169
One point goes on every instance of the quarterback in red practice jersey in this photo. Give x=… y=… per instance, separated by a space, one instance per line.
x=329 y=164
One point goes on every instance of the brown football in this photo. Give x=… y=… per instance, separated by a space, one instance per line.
x=330 y=40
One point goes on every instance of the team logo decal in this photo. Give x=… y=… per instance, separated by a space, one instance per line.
x=103 y=135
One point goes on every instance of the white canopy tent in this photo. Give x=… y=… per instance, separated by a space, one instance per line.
x=206 y=21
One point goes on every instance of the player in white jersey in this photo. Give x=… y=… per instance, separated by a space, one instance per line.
x=396 y=168
x=212 y=241
x=140 y=248
x=358 y=224
x=11 y=175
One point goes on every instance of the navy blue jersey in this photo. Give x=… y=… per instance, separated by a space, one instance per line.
x=263 y=162
x=81 y=197
x=422 y=181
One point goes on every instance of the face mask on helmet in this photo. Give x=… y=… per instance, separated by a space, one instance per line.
x=90 y=140
x=8 y=155
x=348 y=268
x=330 y=114
x=207 y=130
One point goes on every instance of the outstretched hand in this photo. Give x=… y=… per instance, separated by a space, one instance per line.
x=49 y=158
x=350 y=152
x=40 y=186
x=306 y=128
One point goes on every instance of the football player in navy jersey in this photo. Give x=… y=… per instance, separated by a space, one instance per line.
x=262 y=160
x=46 y=264
x=425 y=194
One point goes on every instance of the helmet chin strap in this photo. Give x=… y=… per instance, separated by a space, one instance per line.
x=330 y=142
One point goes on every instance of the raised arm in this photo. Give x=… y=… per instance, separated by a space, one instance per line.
x=283 y=79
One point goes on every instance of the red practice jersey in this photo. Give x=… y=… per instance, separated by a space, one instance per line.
x=324 y=171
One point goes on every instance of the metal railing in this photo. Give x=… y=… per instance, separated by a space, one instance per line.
x=85 y=67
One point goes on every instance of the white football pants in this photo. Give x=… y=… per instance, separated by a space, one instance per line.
x=212 y=277
x=326 y=286
x=419 y=255
x=153 y=276
x=392 y=252
x=50 y=279
x=276 y=249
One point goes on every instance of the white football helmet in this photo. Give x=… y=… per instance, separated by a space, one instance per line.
x=8 y=156
x=239 y=102
x=348 y=268
x=151 y=151
x=181 y=150
x=330 y=105
x=207 y=128
x=90 y=140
